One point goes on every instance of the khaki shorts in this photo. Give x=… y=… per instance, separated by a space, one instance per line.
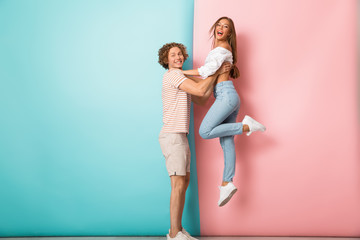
x=175 y=148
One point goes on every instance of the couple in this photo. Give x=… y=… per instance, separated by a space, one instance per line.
x=178 y=90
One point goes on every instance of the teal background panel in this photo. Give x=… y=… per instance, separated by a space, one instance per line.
x=80 y=105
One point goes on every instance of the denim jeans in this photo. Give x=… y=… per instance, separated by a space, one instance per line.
x=220 y=121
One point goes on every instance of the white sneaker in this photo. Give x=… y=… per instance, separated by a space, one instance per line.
x=179 y=236
x=253 y=125
x=188 y=234
x=226 y=192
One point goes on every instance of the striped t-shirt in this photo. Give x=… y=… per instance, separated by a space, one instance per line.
x=176 y=102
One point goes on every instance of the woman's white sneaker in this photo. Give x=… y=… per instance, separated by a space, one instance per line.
x=226 y=192
x=253 y=125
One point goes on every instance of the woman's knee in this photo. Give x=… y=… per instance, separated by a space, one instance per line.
x=204 y=132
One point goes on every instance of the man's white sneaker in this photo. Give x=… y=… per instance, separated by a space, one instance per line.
x=179 y=236
x=253 y=125
x=188 y=235
x=226 y=192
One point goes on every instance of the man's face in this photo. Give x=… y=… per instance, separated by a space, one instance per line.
x=176 y=58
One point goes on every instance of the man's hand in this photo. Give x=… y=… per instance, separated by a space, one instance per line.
x=225 y=67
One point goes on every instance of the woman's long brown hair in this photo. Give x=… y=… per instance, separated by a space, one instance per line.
x=234 y=72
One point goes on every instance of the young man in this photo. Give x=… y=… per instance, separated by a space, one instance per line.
x=177 y=93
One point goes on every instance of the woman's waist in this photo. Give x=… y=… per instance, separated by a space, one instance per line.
x=224 y=84
x=222 y=80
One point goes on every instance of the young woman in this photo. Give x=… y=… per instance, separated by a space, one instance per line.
x=220 y=120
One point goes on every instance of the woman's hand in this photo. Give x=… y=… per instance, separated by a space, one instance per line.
x=225 y=67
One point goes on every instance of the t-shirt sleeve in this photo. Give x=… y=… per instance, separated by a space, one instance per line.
x=213 y=63
x=175 y=78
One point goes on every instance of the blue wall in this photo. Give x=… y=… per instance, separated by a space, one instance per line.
x=80 y=103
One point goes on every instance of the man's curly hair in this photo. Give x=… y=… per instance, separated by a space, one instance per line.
x=164 y=53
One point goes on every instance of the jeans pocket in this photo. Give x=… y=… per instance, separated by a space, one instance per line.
x=232 y=98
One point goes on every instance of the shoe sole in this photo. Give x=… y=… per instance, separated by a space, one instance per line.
x=226 y=200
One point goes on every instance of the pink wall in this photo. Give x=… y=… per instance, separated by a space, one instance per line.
x=298 y=76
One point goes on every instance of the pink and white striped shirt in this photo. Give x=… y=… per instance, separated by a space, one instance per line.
x=176 y=102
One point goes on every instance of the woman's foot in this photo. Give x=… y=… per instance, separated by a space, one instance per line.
x=226 y=192
x=253 y=125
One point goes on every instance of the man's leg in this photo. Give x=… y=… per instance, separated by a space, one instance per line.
x=187 y=181
x=179 y=185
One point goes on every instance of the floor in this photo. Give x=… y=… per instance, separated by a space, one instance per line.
x=163 y=238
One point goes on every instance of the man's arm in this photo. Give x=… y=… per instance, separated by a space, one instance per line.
x=195 y=79
x=202 y=100
x=193 y=72
x=198 y=88
x=201 y=87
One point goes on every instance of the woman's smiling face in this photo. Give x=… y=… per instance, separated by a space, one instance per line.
x=222 y=30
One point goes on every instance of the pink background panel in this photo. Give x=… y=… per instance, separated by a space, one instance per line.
x=298 y=76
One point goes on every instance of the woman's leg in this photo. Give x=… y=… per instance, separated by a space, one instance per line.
x=228 y=189
x=213 y=125
x=228 y=146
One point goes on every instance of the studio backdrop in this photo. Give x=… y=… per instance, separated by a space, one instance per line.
x=80 y=104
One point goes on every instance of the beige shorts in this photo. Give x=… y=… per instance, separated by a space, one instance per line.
x=175 y=148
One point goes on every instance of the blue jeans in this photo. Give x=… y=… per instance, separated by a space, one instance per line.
x=220 y=121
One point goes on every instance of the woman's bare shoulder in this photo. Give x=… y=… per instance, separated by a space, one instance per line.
x=225 y=45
